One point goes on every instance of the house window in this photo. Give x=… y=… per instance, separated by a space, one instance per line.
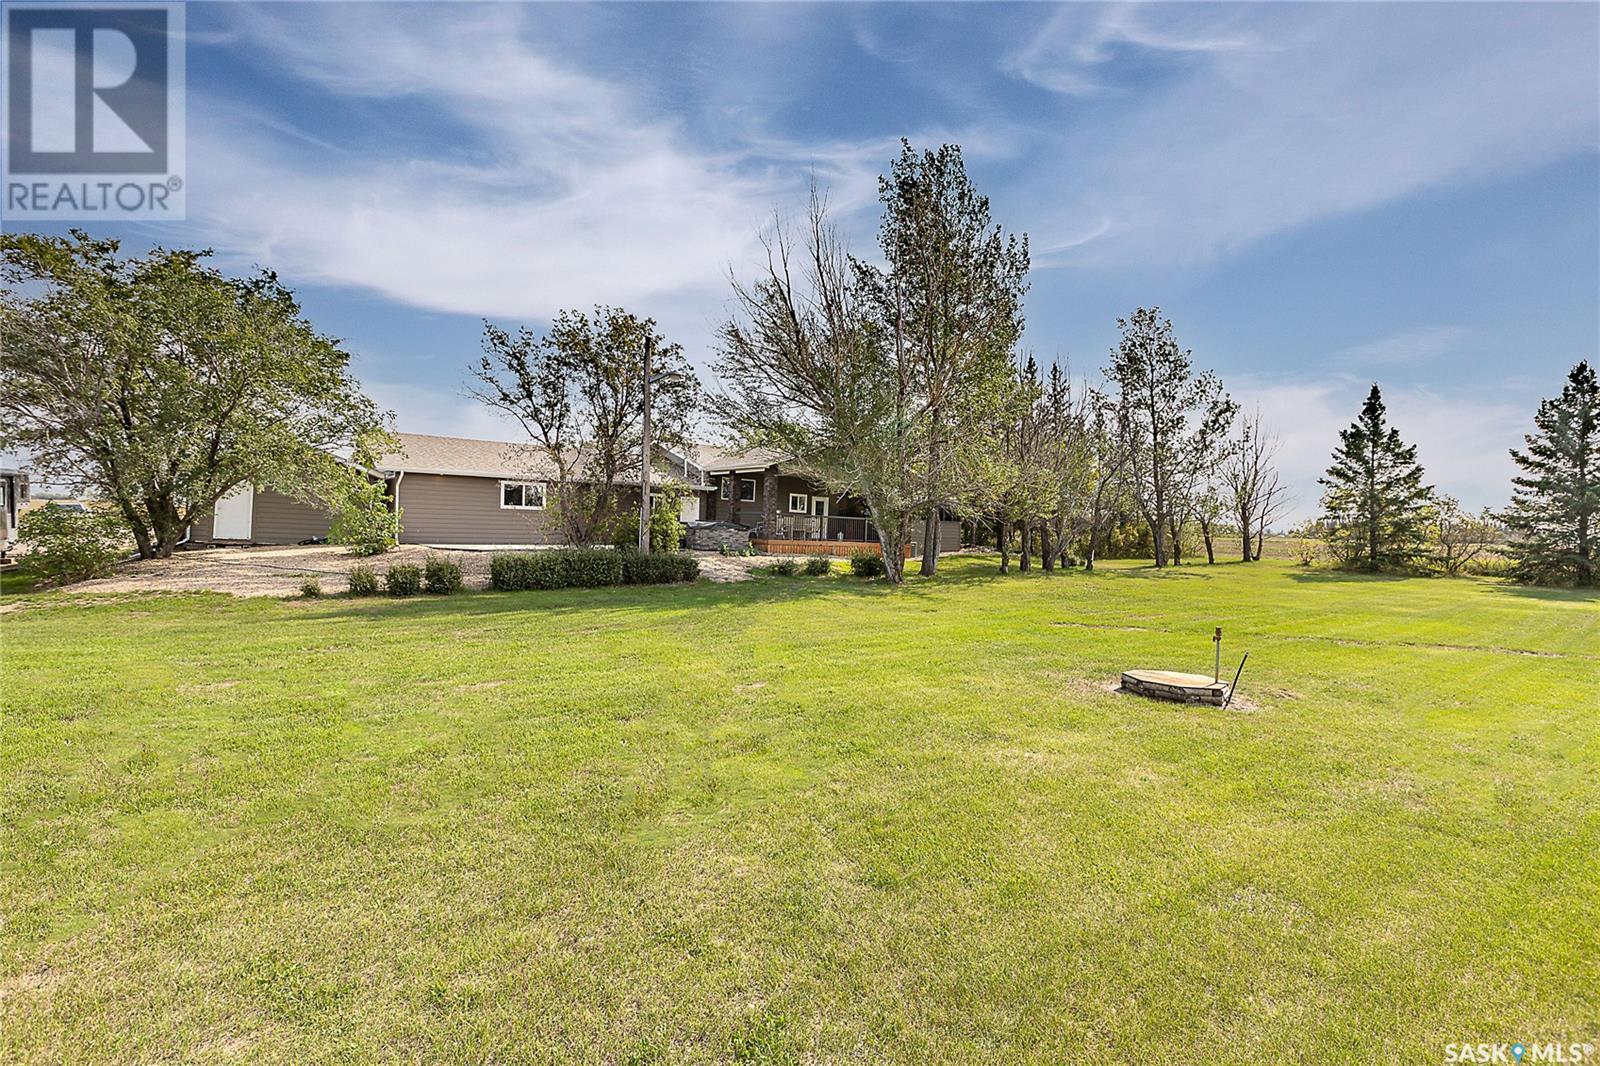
x=797 y=503
x=747 y=490
x=522 y=495
x=727 y=488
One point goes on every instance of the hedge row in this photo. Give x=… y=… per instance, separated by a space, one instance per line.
x=568 y=568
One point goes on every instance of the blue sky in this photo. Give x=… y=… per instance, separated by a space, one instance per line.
x=1320 y=195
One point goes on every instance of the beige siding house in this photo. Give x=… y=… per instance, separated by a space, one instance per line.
x=252 y=515
x=460 y=492
x=450 y=491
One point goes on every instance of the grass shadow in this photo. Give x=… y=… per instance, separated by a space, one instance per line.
x=1548 y=593
x=1342 y=577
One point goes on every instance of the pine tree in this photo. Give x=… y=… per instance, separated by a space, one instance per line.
x=1555 y=508
x=1376 y=506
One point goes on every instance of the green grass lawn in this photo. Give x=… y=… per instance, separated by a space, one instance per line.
x=803 y=819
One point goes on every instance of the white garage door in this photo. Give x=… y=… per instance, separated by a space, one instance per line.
x=234 y=514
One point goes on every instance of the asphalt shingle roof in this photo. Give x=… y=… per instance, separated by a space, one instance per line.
x=426 y=453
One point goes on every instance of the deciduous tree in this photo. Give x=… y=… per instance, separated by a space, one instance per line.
x=578 y=392
x=809 y=372
x=1175 y=422
x=159 y=384
x=1249 y=482
x=1460 y=537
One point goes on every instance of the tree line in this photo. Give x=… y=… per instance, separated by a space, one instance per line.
x=160 y=384
x=1379 y=514
x=901 y=382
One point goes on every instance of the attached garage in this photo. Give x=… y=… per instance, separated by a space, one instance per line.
x=251 y=515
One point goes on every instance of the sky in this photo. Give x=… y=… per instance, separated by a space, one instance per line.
x=1321 y=196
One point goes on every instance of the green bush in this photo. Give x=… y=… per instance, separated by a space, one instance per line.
x=363 y=581
x=865 y=562
x=311 y=588
x=403 y=579
x=1493 y=565
x=558 y=568
x=653 y=569
x=785 y=568
x=69 y=545
x=563 y=568
x=819 y=566
x=440 y=575
x=666 y=531
x=362 y=520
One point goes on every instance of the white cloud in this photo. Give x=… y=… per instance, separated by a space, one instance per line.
x=1319 y=110
x=1462 y=436
x=440 y=410
x=548 y=187
x=1071 y=54
x=1416 y=345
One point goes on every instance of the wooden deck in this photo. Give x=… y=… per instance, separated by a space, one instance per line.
x=840 y=548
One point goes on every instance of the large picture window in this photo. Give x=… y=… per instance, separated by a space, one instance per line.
x=522 y=495
x=747 y=490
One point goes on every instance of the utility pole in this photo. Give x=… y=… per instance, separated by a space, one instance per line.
x=644 y=453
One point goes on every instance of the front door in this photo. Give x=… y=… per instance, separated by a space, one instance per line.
x=233 y=517
x=819 y=511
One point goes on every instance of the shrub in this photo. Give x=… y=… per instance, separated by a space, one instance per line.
x=865 y=562
x=440 y=575
x=363 y=581
x=556 y=569
x=403 y=579
x=70 y=545
x=819 y=566
x=666 y=531
x=1308 y=543
x=362 y=520
x=311 y=588
x=653 y=569
x=785 y=568
x=1494 y=565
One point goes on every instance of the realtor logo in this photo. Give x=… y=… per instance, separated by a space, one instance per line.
x=94 y=111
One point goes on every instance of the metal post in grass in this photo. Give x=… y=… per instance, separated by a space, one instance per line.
x=650 y=380
x=644 y=453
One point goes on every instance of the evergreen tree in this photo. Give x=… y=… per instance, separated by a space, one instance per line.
x=1376 y=506
x=1555 y=508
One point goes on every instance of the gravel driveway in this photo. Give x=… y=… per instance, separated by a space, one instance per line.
x=280 y=570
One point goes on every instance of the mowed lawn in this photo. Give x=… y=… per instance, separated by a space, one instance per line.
x=803 y=820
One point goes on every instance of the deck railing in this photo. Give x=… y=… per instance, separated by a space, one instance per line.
x=824 y=527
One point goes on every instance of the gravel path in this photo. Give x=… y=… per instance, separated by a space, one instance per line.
x=280 y=570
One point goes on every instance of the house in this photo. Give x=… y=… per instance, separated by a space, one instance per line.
x=460 y=492
x=456 y=491
x=451 y=491
x=13 y=494
x=791 y=515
